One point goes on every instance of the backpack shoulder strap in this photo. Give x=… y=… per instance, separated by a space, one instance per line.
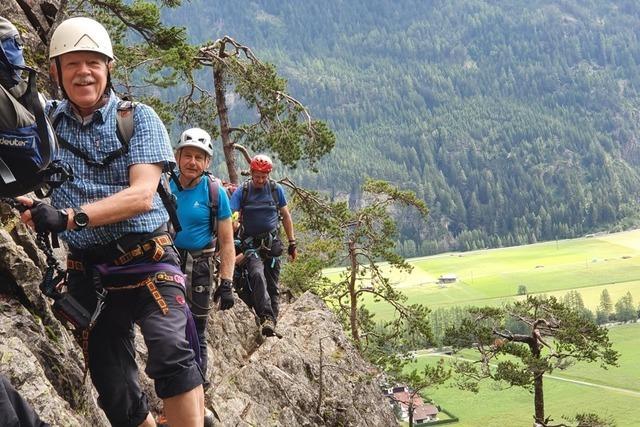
x=245 y=193
x=168 y=199
x=274 y=192
x=124 y=132
x=214 y=188
x=276 y=199
x=124 y=121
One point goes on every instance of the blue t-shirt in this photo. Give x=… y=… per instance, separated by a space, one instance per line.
x=193 y=214
x=259 y=213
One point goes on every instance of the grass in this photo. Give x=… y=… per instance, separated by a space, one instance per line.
x=491 y=277
x=514 y=407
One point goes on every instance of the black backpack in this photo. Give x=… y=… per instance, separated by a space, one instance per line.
x=27 y=140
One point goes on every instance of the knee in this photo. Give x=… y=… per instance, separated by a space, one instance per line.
x=120 y=414
x=180 y=386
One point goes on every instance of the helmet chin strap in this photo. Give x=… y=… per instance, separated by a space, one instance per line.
x=190 y=183
x=59 y=74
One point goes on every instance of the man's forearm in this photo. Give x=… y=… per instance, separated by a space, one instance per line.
x=118 y=207
x=227 y=260
x=127 y=203
x=288 y=229
x=227 y=249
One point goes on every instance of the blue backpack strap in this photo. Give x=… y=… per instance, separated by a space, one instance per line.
x=276 y=199
x=243 y=199
x=245 y=193
x=272 y=186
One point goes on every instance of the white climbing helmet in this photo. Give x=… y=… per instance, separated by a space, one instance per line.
x=196 y=137
x=80 y=34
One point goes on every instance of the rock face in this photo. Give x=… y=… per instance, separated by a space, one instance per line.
x=312 y=376
x=38 y=355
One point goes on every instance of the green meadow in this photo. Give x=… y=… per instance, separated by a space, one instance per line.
x=614 y=392
x=492 y=277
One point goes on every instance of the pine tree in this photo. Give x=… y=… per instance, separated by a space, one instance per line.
x=625 y=310
x=606 y=305
x=556 y=335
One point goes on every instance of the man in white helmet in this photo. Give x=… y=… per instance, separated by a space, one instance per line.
x=205 y=218
x=122 y=266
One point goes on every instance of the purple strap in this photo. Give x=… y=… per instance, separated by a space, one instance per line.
x=146 y=268
x=192 y=334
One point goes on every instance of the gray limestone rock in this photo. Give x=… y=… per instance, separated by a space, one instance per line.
x=312 y=376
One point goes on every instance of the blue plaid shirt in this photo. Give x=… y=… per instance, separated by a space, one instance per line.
x=149 y=144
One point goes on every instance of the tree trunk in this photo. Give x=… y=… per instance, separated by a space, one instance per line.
x=225 y=128
x=353 y=299
x=538 y=393
x=538 y=398
x=411 y=412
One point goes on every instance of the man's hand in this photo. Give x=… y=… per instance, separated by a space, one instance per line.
x=291 y=250
x=45 y=218
x=224 y=293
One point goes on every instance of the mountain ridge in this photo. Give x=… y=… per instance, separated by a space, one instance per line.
x=515 y=122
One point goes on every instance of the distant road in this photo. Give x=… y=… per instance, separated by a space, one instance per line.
x=606 y=387
x=553 y=377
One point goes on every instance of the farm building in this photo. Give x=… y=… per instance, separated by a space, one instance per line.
x=404 y=399
x=447 y=278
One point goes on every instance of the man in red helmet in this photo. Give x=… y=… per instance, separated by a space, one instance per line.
x=261 y=204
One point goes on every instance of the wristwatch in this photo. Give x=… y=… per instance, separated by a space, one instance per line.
x=80 y=219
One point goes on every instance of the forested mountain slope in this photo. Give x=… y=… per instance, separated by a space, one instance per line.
x=516 y=121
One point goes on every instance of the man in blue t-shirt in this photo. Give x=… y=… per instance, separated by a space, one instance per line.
x=196 y=242
x=261 y=203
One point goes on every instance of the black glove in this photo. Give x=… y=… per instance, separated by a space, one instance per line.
x=291 y=250
x=47 y=218
x=224 y=293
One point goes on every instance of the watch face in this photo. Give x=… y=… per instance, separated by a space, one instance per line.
x=81 y=219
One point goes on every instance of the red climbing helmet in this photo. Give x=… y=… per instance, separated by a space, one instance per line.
x=261 y=163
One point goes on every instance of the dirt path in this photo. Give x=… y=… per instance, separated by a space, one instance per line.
x=553 y=377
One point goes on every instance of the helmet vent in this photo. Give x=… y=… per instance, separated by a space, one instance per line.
x=86 y=42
